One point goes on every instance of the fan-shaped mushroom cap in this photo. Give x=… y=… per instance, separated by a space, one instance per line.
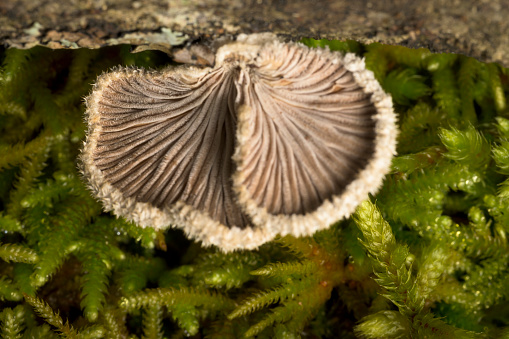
x=276 y=138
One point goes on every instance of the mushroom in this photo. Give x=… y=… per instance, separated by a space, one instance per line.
x=275 y=138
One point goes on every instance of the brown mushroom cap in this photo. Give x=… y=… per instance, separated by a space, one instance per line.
x=274 y=139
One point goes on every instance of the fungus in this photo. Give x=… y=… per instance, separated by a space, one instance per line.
x=275 y=138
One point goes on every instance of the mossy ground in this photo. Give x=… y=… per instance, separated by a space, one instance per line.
x=426 y=257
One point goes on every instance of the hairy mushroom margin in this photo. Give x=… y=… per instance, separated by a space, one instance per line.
x=275 y=138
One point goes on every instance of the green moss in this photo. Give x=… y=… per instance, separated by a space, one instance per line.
x=427 y=256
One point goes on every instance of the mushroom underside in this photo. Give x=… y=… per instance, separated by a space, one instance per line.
x=168 y=137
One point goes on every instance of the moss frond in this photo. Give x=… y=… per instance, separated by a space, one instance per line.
x=497 y=90
x=9 y=224
x=391 y=261
x=79 y=79
x=210 y=269
x=405 y=85
x=467 y=147
x=22 y=273
x=298 y=247
x=276 y=295
x=293 y=315
x=347 y=46
x=152 y=323
x=419 y=127
x=92 y=332
x=283 y=269
x=12 y=322
x=502 y=126
x=169 y=297
x=301 y=286
x=497 y=269
x=407 y=291
x=13 y=75
x=388 y=324
x=43 y=310
x=446 y=94
x=410 y=163
x=379 y=240
x=377 y=61
x=428 y=326
x=440 y=61
x=501 y=157
x=43 y=331
x=467 y=74
x=135 y=272
x=96 y=266
x=17 y=253
x=13 y=155
x=430 y=271
x=54 y=247
x=114 y=322
x=51 y=191
x=8 y=290
x=26 y=180
x=186 y=305
x=431 y=188
x=145 y=235
x=224 y=329
x=413 y=58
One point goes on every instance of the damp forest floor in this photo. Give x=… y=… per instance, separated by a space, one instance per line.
x=426 y=257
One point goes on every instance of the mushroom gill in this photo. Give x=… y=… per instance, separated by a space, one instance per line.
x=311 y=129
x=169 y=137
x=276 y=138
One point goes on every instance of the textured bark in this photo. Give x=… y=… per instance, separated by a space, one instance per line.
x=472 y=27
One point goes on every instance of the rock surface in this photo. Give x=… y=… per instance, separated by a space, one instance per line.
x=473 y=27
